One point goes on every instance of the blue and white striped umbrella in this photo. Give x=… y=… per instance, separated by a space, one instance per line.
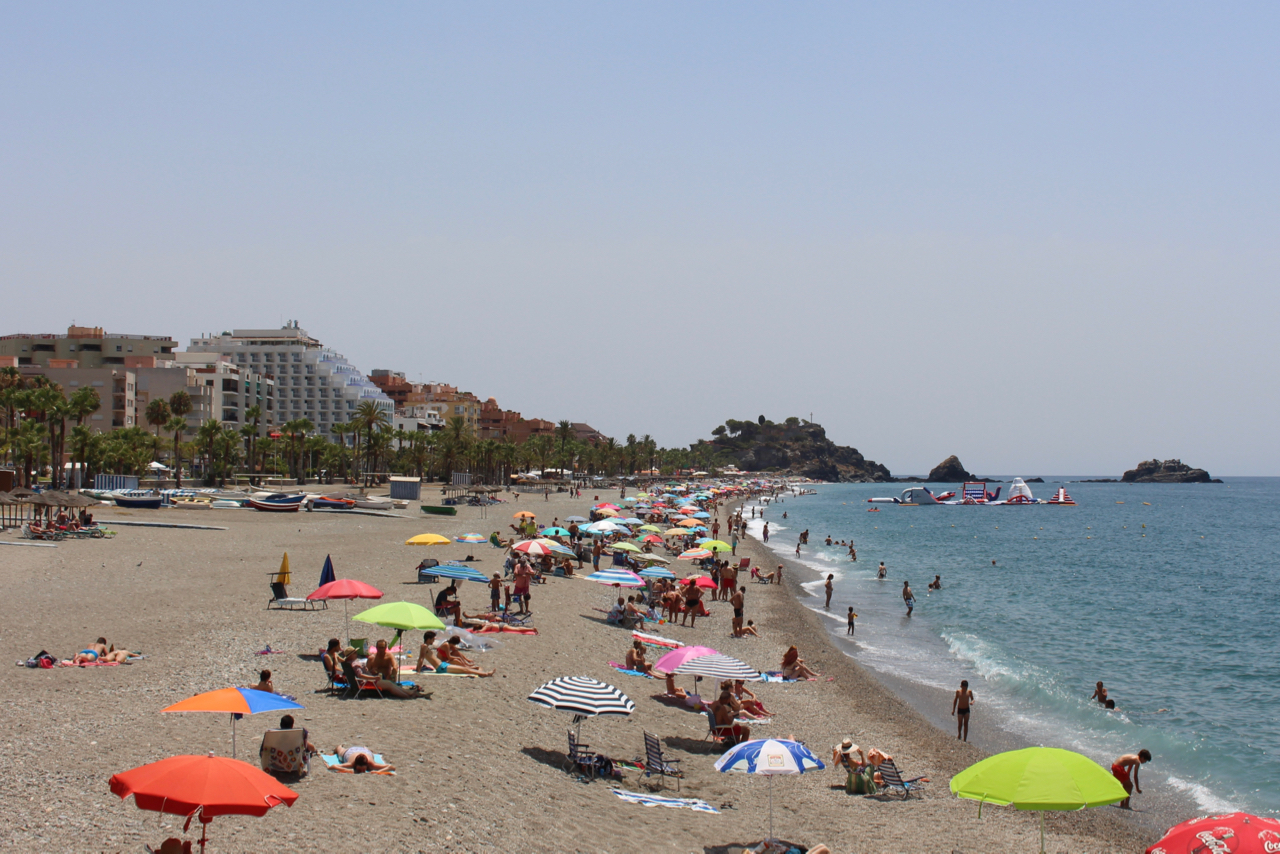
x=583 y=697
x=623 y=577
x=458 y=572
x=769 y=757
x=656 y=572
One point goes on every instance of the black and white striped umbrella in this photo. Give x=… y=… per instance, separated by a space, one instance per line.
x=583 y=696
x=718 y=666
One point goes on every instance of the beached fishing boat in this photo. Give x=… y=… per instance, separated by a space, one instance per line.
x=327 y=502
x=139 y=501
x=277 y=502
x=439 y=511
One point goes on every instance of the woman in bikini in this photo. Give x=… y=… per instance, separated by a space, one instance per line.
x=428 y=661
x=360 y=760
x=748 y=700
x=793 y=666
x=98 y=651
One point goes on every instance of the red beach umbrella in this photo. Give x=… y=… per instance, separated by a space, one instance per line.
x=703 y=581
x=346 y=589
x=208 y=785
x=1237 y=833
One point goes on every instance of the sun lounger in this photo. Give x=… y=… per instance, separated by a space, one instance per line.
x=655 y=763
x=284 y=751
x=892 y=778
x=280 y=599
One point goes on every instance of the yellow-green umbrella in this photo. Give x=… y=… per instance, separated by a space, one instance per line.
x=1039 y=778
x=717 y=546
x=652 y=529
x=676 y=532
x=427 y=540
x=625 y=547
x=401 y=615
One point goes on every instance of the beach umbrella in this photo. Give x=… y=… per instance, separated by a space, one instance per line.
x=625 y=547
x=471 y=538
x=556 y=548
x=631 y=521
x=427 y=540
x=695 y=554
x=702 y=514
x=208 y=785
x=326 y=574
x=282 y=575
x=236 y=702
x=717 y=666
x=345 y=589
x=675 y=532
x=536 y=548
x=524 y=514
x=652 y=538
x=703 y=581
x=606 y=512
x=769 y=757
x=656 y=572
x=653 y=529
x=671 y=660
x=458 y=572
x=555 y=532
x=688 y=523
x=1237 y=833
x=401 y=615
x=717 y=546
x=1039 y=778
x=583 y=697
x=604 y=506
x=614 y=575
x=575 y=519
x=649 y=557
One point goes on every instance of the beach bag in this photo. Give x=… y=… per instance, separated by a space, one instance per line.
x=861 y=783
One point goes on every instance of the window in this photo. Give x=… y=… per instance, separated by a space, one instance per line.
x=253 y=357
x=117 y=348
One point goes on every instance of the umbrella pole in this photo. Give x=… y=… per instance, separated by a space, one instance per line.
x=770 y=808
x=233 y=736
x=1041 y=831
x=204 y=833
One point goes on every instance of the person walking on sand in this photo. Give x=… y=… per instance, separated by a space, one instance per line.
x=852 y=617
x=961 y=704
x=766 y=532
x=829 y=586
x=1120 y=769
x=908 y=597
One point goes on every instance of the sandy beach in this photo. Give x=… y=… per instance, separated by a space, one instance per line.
x=479 y=767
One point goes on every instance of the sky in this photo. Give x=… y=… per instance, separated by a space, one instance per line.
x=1041 y=237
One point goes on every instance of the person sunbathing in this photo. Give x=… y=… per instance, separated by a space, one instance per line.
x=330 y=659
x=384 y=663
x=793 y=666
x=748 y=629
x=384 y=685
x=264 y=683
x=725 y=715
x=428 y=661
x=748 y=700
x=739 y=708
x=98 y=651
x=672 y=690
x=359 y=760
x=451 y=652
x=635 y=659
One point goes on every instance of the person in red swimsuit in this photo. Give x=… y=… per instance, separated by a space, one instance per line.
x=1120 y=770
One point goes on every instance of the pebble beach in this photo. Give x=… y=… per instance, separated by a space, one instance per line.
x=479 y=768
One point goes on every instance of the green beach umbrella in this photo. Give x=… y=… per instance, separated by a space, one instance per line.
x=1039 y=778
x=717 y=546
x=400 y=615
x=625 y=547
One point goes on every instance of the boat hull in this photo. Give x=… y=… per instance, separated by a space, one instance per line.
x=149 y=502
x=275 y=506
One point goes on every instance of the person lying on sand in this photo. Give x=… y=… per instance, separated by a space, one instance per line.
x=98 y=651
x=359 y=760
x=635 y=659
x=428 y=661
x=451 y=652
x=384 y=685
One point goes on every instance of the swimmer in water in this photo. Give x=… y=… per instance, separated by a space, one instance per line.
x=882 y=571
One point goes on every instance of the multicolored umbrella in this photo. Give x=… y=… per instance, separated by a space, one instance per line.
x=471 y=538
x=656 y=572
x=458 y=572
x=614 y=575
x=208 y=785
x=695 y=554
x=537 y=548
x=235 y=702
x=769 y=757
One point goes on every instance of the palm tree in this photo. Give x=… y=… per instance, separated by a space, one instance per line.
x=158 y=414
x=564 y=432
x=11 y=387
x=176 y=425
x=370 y=417
x=254 y=414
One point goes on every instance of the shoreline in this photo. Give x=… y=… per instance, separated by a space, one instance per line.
x=930 y=705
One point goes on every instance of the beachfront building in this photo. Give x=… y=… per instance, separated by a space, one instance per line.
x=87 y=346
x=586 y=433
x=417 y=419
x=508 y=425
x=234 y=390
x=311 y=380
x=394 y=385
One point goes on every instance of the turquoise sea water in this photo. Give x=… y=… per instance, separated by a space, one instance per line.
x=1171 y=603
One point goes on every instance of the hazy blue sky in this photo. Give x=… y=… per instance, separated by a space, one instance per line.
x=1041 y=237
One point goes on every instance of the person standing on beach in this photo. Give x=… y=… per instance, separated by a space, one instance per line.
x=961 y=704
x=829 y=587
x=766 y=532
x=852 y=617
x=738 y=601
x=797 y=550
x=733 y=544
x=908 y=597
x=715 y=530
x=596 y=551
x=882 y=572
x=1120 y=769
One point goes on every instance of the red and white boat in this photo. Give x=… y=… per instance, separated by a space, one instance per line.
x=278 y=503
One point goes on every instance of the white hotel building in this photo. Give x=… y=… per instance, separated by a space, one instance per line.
x=311 y=381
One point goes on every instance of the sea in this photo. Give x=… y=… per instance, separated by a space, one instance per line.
x=1167 y=593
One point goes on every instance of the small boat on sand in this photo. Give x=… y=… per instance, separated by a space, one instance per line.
x=277 y=502
x=138 y=501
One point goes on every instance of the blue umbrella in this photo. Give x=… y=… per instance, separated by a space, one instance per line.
x=327 y=574
x=656 y=572
x=770 y=757
x=458 y=572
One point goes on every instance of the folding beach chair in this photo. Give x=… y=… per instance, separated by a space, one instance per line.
x=355 y=684
x=281 y=599
x=581 y=758
x=284 y=751
x=744 y=563
x=655 y=763
x=424 y=571
x=715 y=732
x=893 y=779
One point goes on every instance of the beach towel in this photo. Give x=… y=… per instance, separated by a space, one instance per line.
x=434 y=673
x=775 y=676
x=332 y=763
x=656 y=640
x=516 y=630
x=621 y=668
x=673 y=803
x=69 y=663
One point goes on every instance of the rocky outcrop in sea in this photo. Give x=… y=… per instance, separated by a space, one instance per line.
x=1166 y=471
